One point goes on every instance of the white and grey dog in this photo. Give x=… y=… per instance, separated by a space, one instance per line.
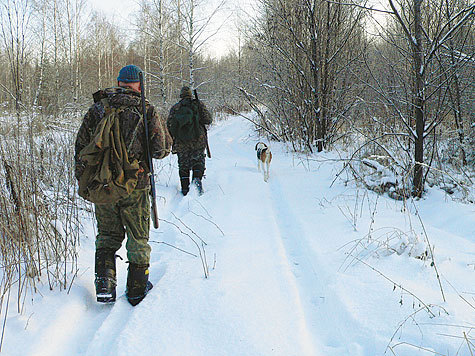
x=264 y=156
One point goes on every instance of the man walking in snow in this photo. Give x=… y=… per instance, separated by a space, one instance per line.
x=187 y=123
x=130 y=214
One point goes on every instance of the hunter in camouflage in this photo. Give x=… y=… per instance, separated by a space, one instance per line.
x=191 y=156
x=130 y=215
x=129 y=101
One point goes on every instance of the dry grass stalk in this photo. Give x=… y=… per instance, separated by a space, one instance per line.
x=39 y=224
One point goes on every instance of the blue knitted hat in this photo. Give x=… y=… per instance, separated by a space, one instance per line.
x=129 y=74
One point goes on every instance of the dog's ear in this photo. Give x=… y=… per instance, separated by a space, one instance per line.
x=256 y=146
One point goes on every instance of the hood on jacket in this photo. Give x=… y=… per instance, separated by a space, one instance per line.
x=118 y=96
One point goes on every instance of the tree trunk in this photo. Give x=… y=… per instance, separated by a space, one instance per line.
x=190 y=44
x=316 y=74
x=161 y=58
x=325 y=91
x=455 y=94
x=418 y=101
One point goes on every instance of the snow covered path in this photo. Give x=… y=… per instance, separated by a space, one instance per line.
x=275 y=252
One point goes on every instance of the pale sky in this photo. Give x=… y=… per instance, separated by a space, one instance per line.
x=227 y=37
x=224 y=41
x=120 y=9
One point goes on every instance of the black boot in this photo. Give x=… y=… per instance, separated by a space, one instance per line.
x=105 y=280
x=138 y=284
x=184 y=180
x=199 y=185
x=185 y=185
x=198 y=172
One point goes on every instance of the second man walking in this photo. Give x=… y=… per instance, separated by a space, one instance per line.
x=187 y=123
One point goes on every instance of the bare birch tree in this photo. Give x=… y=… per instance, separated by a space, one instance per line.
x=306 y=50
x=15 y=16
x=427 y=37
x=196 y=31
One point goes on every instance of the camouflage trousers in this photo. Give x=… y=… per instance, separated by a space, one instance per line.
x=130 y=216
x=191 y=161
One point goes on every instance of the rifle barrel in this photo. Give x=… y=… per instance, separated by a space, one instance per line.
x=208 y=151
x=149 y=156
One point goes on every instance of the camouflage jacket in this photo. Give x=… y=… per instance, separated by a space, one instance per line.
x=205 y=120
x=130 y=103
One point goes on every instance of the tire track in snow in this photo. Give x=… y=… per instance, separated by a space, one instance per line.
x=302 y=274
x=236 y=166
x=308 y=272
x=307 y=340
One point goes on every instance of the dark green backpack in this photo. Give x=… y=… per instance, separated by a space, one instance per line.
x=109 y=175
x=186 y=122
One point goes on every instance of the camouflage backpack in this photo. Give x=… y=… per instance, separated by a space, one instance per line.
x=185 y=126
x=108 y=176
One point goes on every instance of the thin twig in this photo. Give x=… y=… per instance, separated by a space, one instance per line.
x=191 y=230
x=5 y=319
x=177 y=248
x=430 y=249
x=202 y=206
x=459 y=294
x=208 y=220
x=468 y=343
x=202 y=258
x=417 y=347
x=427 y=306
x=401 y=324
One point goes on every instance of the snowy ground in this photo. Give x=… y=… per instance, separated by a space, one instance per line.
x=298 y=266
